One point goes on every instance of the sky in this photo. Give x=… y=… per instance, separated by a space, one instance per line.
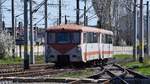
x=68 y=9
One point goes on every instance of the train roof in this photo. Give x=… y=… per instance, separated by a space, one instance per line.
x=74 y=27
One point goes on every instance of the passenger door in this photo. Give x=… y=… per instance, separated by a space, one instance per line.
x=105 y=46
x=100 y=46
x=92 y=46
x=84 y=46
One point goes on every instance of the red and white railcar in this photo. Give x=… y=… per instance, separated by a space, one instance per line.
x=71 y=43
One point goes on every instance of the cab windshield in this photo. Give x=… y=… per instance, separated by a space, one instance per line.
x=63 y=37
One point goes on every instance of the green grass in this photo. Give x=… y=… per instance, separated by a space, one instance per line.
x=39 y=59
x=17 y=60
x=123 y=56
x=132 y=64
x=78 y=73
x=137 y=64
x=142 y=68
x=10 y=60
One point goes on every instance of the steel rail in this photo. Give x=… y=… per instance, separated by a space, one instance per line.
x=14 y=70
x=125 y=72
x=48 y=80
x=116 y=77
x=135 y=74
x=31 y=73
x=96 y=76
x=110 y=73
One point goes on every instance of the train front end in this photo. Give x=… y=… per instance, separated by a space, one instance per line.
x=63 y=46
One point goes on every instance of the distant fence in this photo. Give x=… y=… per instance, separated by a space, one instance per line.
x=39 y=50
x=123 y=50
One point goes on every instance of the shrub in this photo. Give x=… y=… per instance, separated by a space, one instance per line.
x=6 y=44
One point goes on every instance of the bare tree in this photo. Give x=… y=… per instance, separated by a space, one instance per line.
x=115 y=15
x=103 y=9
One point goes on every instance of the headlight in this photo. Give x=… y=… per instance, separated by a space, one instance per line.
x=74 y=56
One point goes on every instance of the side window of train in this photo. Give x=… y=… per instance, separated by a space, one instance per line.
x=90 y=37
x=109 y=39
x=106 y=39
x=95 y=37
x=51 y=37
x=84 y=37
x=103 y=38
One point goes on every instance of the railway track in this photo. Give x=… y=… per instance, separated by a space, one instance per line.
x=16 y=70
x=115 y=74
x=10 y=68
x=109 y=74
x=32 y=73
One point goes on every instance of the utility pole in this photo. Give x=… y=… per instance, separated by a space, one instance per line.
x=85 y=13
x=1 y=15
x=26 y=56
x=66 y=19
x=20 y=26
x=45 y=31
x=13 y=28
x=86 y=20
x=147 y=25
x=141 y=49
x=77 y=12
x=135 y=31
x=35 y=29
x=57 y=21
x=32 y=58
x=59 y=12
x=3 y=25
x=46 y=14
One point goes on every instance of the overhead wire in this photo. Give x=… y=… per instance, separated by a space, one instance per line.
x=85 y=12
x=38 y=6
x=41 y=19
x=3 y=2
x=92 y=17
